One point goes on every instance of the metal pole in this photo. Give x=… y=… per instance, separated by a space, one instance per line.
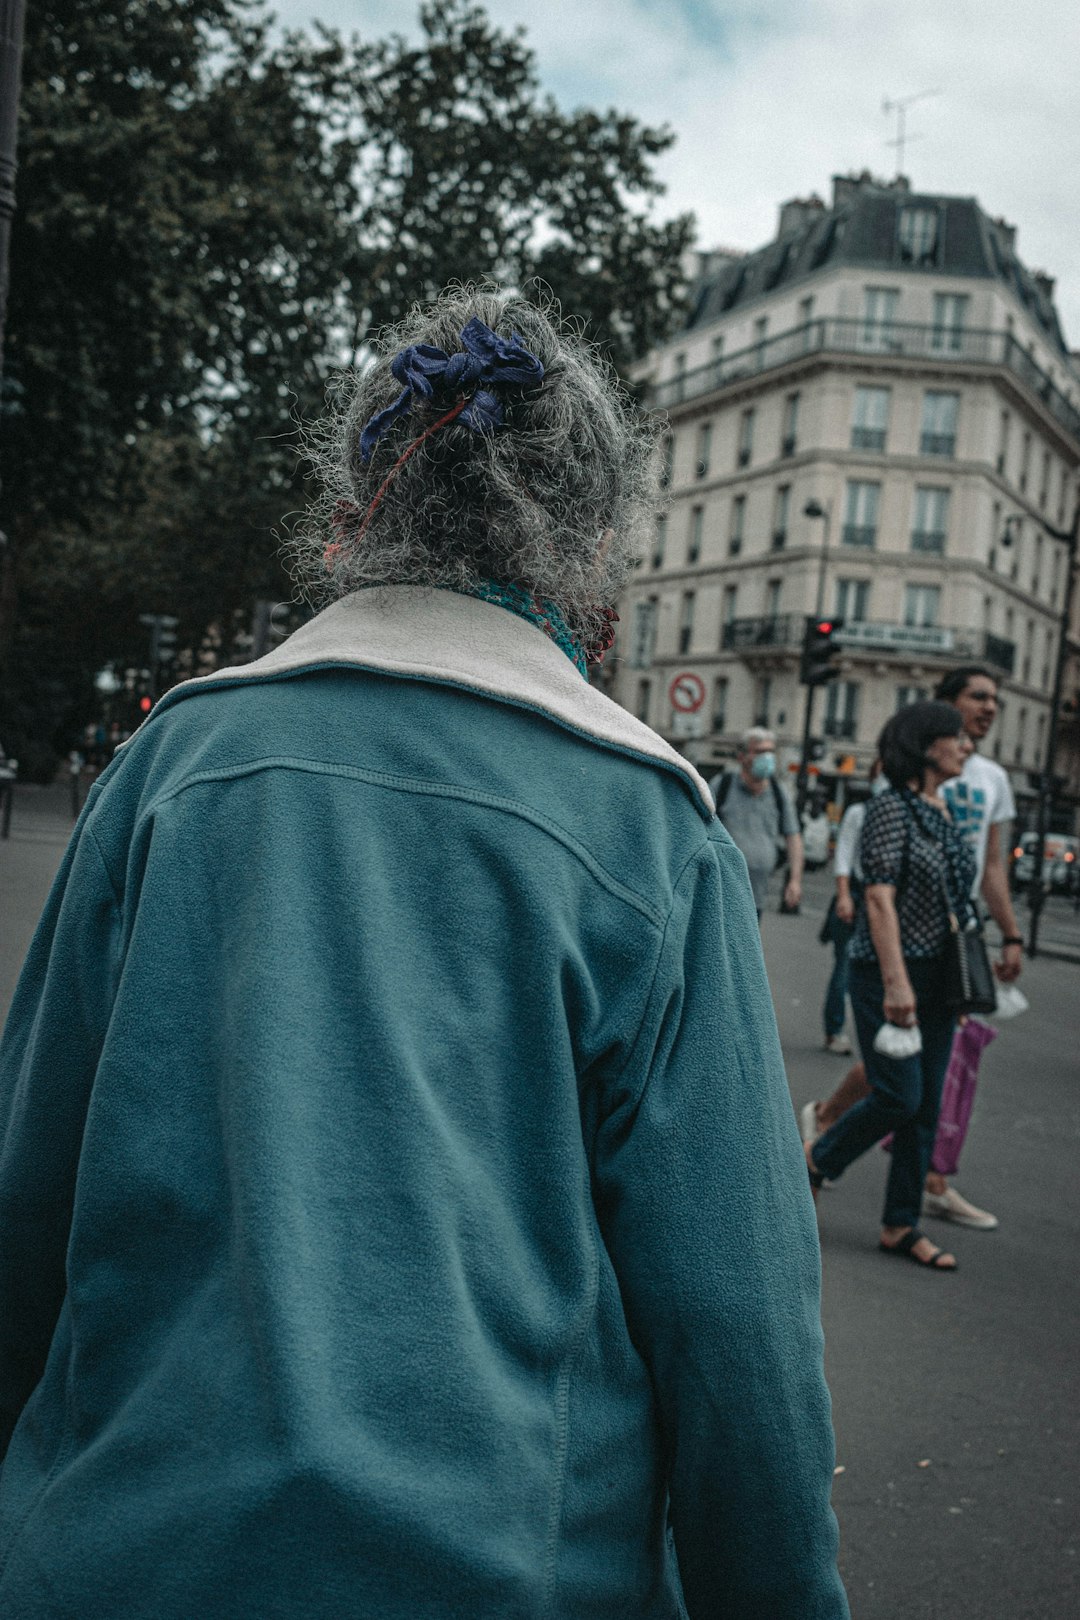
x=1046 y=778
x=12 y=14
x=824 y=511
x=802 y=781
x=12 y=18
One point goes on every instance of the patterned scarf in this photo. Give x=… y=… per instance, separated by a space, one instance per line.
x=959 y=860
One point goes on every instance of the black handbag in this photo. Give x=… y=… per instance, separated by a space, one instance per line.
x=969 y=978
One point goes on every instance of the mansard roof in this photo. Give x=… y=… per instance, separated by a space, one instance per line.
x=866 y=228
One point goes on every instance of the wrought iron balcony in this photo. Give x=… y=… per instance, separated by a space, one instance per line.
x=867 y=639
x=858 y=534
x=864 y=438
x=937 y=444
x=927 y=540
x=974 y=346
x=842 y=726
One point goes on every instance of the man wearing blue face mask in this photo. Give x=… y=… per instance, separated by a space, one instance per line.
x=757 y=812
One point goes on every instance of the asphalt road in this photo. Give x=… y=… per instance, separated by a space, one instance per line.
x=955 y=1397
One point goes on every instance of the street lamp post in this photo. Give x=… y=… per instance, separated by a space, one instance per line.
x=1070 y=538
x=823 y=510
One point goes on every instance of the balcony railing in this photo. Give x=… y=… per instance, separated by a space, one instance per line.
x=864 y=438
x=927 y=540
x=937 y=444
x=842 y=726
x=858 y=534
x=975 y=346
x=783 y=632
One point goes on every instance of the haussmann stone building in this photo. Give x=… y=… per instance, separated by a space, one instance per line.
x=889 y=362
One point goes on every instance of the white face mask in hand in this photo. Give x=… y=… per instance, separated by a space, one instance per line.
x=892 y=1041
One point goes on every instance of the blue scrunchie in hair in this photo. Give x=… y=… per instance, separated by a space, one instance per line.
x=487 y=362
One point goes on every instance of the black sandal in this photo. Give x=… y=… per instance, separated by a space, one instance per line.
x=904 y=1247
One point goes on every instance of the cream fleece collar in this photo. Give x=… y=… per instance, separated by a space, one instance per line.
x=435 y=635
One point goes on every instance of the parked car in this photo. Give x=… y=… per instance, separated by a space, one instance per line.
x=1061 y=862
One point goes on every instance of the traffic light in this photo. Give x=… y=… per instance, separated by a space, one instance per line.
x=820 y=651
x=146 y=703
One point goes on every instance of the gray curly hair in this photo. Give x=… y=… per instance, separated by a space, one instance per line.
x=528 y=504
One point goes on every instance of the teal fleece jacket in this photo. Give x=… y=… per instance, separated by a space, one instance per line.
x=402 y=1215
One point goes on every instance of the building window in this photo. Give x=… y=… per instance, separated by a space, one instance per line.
x=660 y=542
x=1021 y=728
x=719 y=703
x=879 y=317
x=738 y=520
x=911 y=694
x=762 y=701
x=773 y=592
x=1040 y=728
x=853 y=600
x=693 y=544
x=746 y=438
x=789 y=431
x=1029 y=649
x=1044 y=482
x=704 y=449
x=679 y=380
x=643 y=634
x=1003 y=442
x=667 y=460
x=918 y=235
x=995 y=534
x=731 y=607
x=781 y=510
x=1054 y=577
x=761 y=332
x=1025 y=463
x=929 y=519
x=1061 y=496
x=842 y=710
x=870 y=418
x=950 y=316
x=921 y=606
x=1048 y=652
x=686 y=622
x=861 y=514
x=938 y=436
x=644 y=694
x=1036 y=566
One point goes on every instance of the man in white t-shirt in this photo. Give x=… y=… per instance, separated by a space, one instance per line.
x=981 y=802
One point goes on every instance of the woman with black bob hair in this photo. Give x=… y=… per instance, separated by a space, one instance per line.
x=917 y=869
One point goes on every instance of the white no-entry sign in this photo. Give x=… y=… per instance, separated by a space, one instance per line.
x=687 y=692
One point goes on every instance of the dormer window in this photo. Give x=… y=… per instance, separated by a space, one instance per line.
x=918 y=235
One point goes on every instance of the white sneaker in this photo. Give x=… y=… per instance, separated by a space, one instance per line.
x=949 y=1206
x=809 y=1129
x=838 y=1044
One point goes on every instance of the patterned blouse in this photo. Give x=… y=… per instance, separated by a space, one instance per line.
x=915 y=847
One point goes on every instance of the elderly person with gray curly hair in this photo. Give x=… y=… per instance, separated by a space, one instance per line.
x=385 y=1098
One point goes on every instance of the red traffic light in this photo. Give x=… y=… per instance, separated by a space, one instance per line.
x=146 y=704
x=824 y=627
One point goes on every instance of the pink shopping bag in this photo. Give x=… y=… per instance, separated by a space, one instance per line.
x=957 y=1095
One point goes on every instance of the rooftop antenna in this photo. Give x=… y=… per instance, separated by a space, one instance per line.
x=899 y=105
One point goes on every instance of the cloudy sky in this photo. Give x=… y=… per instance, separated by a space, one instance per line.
x=770 y=99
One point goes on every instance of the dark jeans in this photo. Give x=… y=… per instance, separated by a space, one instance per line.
x=835 y=1009
x=905 y=1092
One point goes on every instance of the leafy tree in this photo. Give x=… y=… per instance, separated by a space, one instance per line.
x=211 y=219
